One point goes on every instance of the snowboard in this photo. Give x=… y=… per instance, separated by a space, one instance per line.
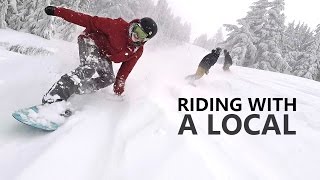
x=46 y=117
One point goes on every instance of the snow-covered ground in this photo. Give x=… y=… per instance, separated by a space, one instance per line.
x=138 y=138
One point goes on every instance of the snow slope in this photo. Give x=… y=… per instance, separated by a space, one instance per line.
x=138 y=138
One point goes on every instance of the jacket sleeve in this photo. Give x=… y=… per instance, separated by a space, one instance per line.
x=214 y=58
x=93 y=23
x=127 y=66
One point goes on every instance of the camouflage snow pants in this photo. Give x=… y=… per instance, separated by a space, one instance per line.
x=95 y=72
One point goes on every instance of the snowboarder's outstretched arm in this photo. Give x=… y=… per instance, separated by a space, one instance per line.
x=93 y=23
x=124 y=72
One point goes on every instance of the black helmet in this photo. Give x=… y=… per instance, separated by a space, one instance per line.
x=149 y=26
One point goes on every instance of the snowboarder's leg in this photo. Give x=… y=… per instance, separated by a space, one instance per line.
x=69 y=84
x=200 y=72
x=103 y=77
x=89 y=55
x=226 y=66
x=93 y=74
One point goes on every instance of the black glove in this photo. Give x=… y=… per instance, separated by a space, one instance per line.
x=50 y=10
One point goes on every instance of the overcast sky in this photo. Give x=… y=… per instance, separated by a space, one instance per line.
x=206 y=16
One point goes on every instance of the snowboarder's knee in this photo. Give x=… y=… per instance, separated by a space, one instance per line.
x=103 y=82
x=88 y=72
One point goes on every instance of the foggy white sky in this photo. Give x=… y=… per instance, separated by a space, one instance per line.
x=206 y=16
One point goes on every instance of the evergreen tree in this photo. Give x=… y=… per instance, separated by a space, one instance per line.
x=317 y=49
x=64 y=29
x=317 y=41
x=116 y=9
x=243 y=41
x=210 y=43
x=29 y=16
x=218 y=37
x=162 y=15
x=215 y=40
x=297 y=39
x=201 y=41
x=185 y=34
x=143 y=8
x=11 y=11
x=85 y=6
x=3 y=12
x=269 y=49
x=240 y=44
x=309 y=64
x=40 y=23
x=15 y=16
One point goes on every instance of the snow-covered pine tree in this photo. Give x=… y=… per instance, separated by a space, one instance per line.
x=296 y=40
x=288 y=38
x=28 y=16
x=161 y=12
x=15 y=17
x=11 y=11
x=242 y=41
x=162 y=15
x=174 y=27
x=309 y=64
x=215 y=40
x=38 y=22
x=116 y=9
x=269 y=49
x=142 y=8
x=169 y=27
x=177 y=30
x=3 y=12
x=218 y=37
x=65 y=30
x=186 y=32
x=211 y=43
x=101 y=7
x=317 y=41
x=317 y=49
x=85 y=6
x=257 y=18
x=201 y=41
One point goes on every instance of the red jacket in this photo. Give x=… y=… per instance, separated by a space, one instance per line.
x=110 y=35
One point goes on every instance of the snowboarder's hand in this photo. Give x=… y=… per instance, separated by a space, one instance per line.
x=50 y=10
x=118 y=87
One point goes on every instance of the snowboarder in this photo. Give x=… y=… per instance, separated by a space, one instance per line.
x=227 y=60
x=104 y=41
x=206 y=63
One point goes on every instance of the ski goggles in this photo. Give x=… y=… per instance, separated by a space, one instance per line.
x=137 y=29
